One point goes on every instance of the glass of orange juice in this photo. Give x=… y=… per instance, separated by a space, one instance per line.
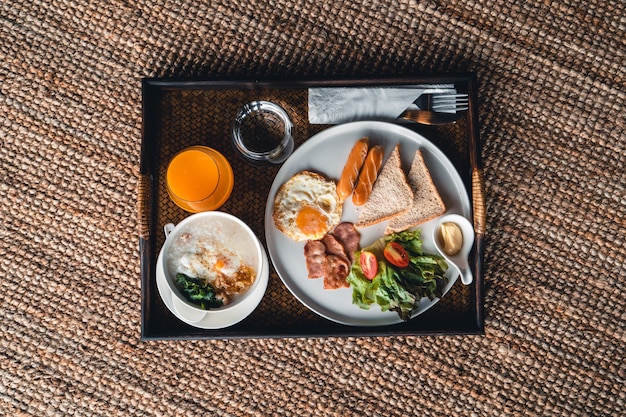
x=199 y=179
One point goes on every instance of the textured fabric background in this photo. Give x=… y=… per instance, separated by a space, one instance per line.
x=552 y=102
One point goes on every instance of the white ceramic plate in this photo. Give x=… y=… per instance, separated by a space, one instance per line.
x=327 y=153
x=212 y=320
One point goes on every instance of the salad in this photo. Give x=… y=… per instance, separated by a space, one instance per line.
x=394 y=273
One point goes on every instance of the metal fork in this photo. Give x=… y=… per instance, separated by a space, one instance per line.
x=440 y=102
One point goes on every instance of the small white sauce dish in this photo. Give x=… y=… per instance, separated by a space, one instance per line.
x=459 y=261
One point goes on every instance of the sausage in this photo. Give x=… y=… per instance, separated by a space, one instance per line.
x=351 y=169
x=367 y=178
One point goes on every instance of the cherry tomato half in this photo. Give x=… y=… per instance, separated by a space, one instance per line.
x=396 y=255
x=369 y=264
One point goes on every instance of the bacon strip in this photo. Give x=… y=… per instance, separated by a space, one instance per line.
x=337 y=269
x=349 y=237
x=315 y=256
x=331 y=257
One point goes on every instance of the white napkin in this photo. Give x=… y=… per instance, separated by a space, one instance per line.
x=334 y=105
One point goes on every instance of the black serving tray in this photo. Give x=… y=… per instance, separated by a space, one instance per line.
x=181 y=113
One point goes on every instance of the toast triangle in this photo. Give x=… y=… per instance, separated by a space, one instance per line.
x=427 y=202
x=391 y=193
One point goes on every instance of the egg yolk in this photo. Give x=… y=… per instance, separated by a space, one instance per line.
x=311 y=222
x=219 y=265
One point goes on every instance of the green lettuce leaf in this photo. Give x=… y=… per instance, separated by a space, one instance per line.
x=399 y=289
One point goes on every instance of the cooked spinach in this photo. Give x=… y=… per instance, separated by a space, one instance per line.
x=198 y=292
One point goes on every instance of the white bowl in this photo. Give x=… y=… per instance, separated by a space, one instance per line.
x=230 y=232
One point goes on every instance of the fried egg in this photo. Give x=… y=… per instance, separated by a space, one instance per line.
x=306 y=207
x=208 y=263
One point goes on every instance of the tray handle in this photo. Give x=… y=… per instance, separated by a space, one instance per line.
x=478 y=196
x=143 y=206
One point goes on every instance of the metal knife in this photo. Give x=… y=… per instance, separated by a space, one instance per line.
x=427 y=117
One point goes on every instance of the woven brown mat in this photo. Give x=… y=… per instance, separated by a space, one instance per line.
x=552 y=101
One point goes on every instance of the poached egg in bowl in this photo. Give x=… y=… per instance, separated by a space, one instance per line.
x=307 y=207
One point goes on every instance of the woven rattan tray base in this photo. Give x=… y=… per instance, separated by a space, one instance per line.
x=178 y=114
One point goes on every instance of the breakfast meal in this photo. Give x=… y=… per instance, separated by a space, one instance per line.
x=390 y=196
x=427 y=203
x=207 y=272
x=393 y=272
x=306 y=207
